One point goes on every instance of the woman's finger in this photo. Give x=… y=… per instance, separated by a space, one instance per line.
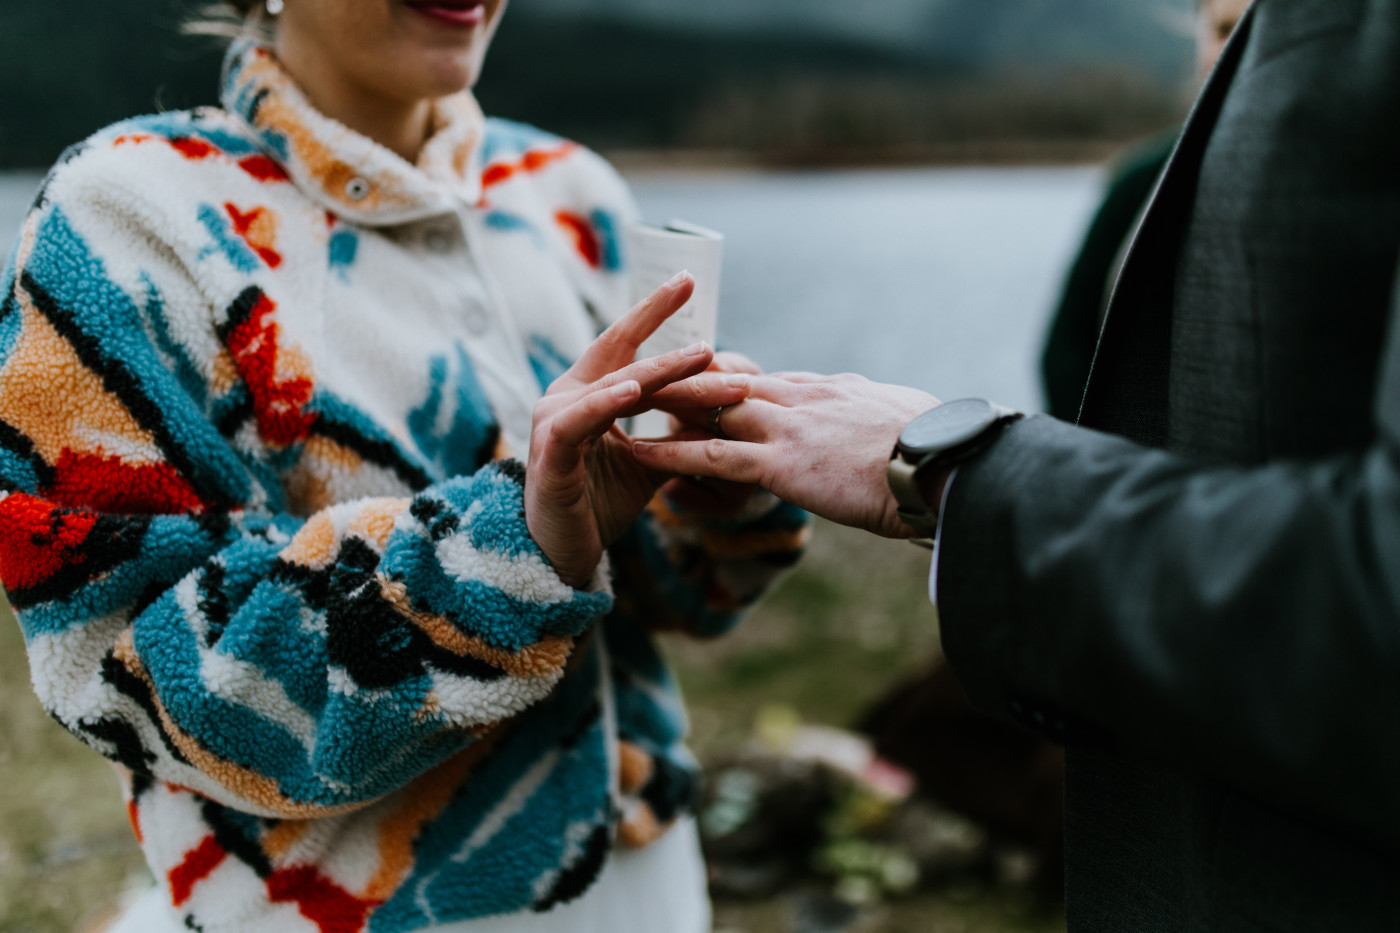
x=707 y=390
x=617 y=346
x=657 y=372
x=561 y=447
x=657 y=377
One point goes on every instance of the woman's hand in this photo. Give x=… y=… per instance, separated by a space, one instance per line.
x=583 y=486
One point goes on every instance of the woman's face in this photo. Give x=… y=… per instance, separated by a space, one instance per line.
x=400 y=50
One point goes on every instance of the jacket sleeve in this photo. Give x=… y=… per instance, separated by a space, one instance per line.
x=697 y=575
x=1244 y=623
x=179 y=620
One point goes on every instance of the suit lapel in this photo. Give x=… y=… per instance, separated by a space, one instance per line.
x=1127 y=389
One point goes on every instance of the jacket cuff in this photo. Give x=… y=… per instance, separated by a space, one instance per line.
x=988 y=633
x=463 y=551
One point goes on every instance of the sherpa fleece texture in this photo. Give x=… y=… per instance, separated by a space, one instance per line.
x=263 y=535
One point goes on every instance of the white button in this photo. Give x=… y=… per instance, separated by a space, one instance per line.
x=357 y=189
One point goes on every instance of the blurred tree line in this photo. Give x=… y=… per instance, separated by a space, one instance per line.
x=68 y=68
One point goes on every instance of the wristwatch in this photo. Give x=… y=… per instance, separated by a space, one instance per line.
x=938 y=440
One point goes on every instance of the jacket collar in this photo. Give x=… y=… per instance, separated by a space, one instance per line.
x=347 y=173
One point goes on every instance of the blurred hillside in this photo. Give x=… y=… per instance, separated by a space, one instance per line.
x=785 y=80
x=976 y=34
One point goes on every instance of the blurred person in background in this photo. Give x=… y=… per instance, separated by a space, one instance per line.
x=270 y=377
x=1197 y=589
x=1075 y=324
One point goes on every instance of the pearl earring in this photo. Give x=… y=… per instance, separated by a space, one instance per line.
x=275 y=6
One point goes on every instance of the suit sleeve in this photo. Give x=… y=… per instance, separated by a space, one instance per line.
x=1244 y=623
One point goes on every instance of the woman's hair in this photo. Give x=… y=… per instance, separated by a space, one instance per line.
x=229 y=19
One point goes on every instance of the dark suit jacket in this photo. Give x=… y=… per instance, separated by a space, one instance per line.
x=1206 y=607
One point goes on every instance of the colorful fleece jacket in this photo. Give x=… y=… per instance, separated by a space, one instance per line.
x=261 y=382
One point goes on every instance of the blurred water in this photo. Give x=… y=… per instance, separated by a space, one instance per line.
x=937 y=278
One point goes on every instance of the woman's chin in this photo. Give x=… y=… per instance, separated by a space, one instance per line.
x=441 y=76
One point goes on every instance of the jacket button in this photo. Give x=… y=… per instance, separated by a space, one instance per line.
x=357 y=189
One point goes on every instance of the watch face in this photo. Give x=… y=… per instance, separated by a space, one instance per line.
x=947 y=426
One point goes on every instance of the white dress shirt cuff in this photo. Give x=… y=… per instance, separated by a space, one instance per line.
x=938 y=539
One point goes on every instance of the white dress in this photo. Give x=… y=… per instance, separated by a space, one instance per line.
x=659 y=889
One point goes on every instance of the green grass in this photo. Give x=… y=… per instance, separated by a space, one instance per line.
x=852 y=618
x=837 y=631
x=66 y=850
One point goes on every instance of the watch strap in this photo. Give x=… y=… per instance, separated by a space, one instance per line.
x=913 y=510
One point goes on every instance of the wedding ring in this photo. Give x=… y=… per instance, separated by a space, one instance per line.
x=713 y=418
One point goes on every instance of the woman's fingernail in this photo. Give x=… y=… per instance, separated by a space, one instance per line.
x=737 y=381
x=641 y=447
x=677 y=279
x=696 y=349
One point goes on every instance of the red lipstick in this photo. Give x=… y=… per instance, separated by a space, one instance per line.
x=462 y=13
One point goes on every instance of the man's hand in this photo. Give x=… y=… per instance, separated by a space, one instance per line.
x=819 y=442
x=583 y=486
